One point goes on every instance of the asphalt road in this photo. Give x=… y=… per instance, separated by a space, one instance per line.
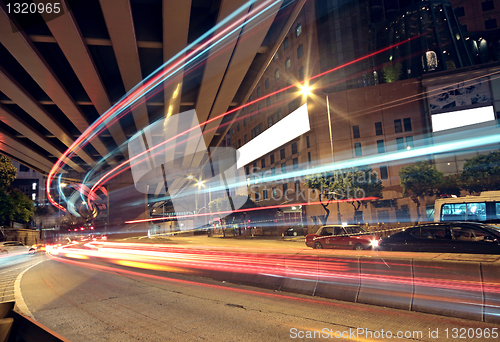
x=89 y=301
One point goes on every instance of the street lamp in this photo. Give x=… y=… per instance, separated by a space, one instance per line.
x=306 y=91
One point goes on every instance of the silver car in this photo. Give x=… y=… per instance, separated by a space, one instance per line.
x=8 y=248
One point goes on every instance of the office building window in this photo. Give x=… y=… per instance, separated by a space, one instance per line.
x=267 y=83
x=294 y=148
x=270 y=121
x=275 y=57
x=490 y=24
x=256 y=130
x=460 y=12
x=278 y=93
x=258 y=92
x=355 y=132
x=301 y=74
x=232 y=131
x=383 y=172
x=288 y=63
x=244 y=122
x=250 y=99
x=238 y=127
x=273 y=171
x=268 y=102
x=378 y=128
x=285 y=188
x=309 y=157
x=263 y=163
x=259 y=108
x=247 y=170
x=254 y=168
x=23 y=168
x=487 y=5
x=245 y=138
x=272 y=158
x=409 y=142
x=398 y=128
x=285 y=43
x=279 y=114
x=298 y=29
x=33 y=197
x=295 y=162
x=297 y=186
x=33 y=186
x=357 y=149
x=275 y=192
x=276 y=74
x=380 y=146
x=282 y=153
x=307 y=142
x=283 y=168
x=239 y=143
x=300 y=51
x=407 y=124
x=257 y=196
x=400 y=144
x=264 y=194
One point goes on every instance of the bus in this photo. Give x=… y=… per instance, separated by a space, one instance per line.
x=483 y=208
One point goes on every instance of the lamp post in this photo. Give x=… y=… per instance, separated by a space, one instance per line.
x=306 y=90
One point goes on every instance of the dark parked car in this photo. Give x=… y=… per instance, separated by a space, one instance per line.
x=445 y=237
x=341 y=237
x=297 y=230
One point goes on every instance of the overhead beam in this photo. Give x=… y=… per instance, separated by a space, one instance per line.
x=271 y=52
x=12 y=146
x=23 y=50
x=11 y=120
x=20 y=97
x=70 y=40
x=120 y=24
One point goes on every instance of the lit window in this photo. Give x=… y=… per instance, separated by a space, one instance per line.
x=380 y=146
x=285 y=43
x=357 y=149
x=295 y=163
x=33 y=197
x=298 y=30
x=34 y=186
x=277 y=74
x=288 y=63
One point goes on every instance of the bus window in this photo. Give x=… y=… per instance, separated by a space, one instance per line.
x=453 y=212
x=476 y=211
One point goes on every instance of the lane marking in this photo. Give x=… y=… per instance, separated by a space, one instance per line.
x=20 y=303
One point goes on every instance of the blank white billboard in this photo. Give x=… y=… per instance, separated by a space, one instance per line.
x=290 y=127
x=461 y=118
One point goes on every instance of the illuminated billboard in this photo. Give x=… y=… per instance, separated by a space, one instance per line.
x=290 y=127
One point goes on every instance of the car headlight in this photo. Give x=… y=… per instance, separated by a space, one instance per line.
x=374 y=243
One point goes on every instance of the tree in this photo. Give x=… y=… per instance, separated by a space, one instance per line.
x=481 y=173
x=449 y=186
x=23 y=208
x=419 y=180
x=353 y=183
x=14 y=205
x=7 y=172
x=392 y=73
